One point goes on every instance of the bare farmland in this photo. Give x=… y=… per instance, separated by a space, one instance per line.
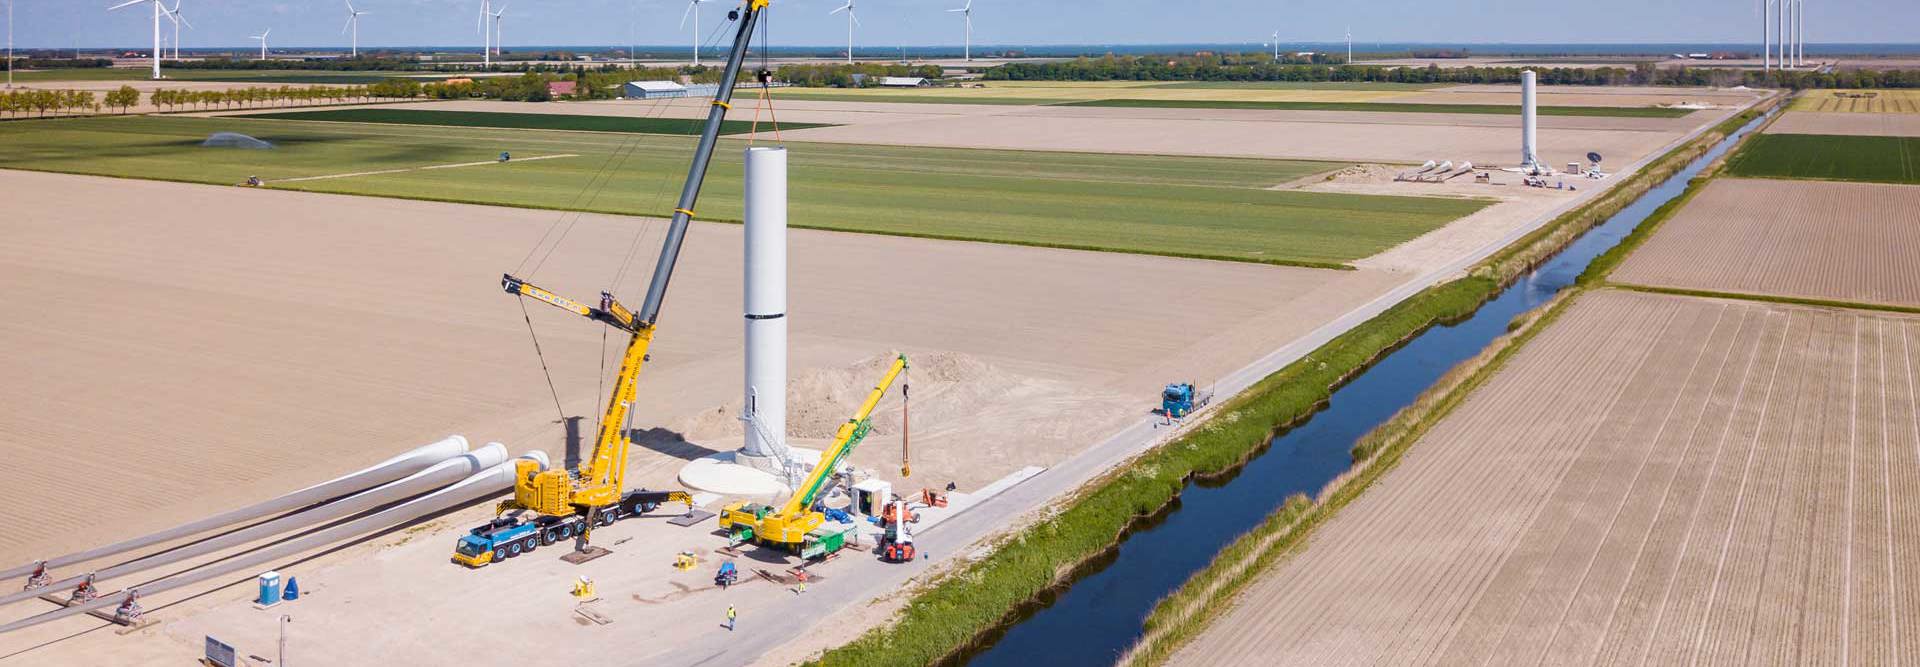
x=1845 y=241
x=1654 y=480
x=1863 y=124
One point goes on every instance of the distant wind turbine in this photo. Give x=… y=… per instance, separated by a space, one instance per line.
x=177 y=18
x=158 y=9
x=496 y=28
x=1276 y=46
x=353 y=24
x=1349 y=45
x=693 y=9
x=486 y=37
x=851 y=21
x=966 y=14
x=263 y=42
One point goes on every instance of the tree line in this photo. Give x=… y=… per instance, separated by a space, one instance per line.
x=1241 y=67
x=19 y=102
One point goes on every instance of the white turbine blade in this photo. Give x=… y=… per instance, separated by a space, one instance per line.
x=128 y=3
x=183 y=19
x=841 y=9
x=683 y=15
x=349 y=6
x=349 y=24
x=856 y=18
x=950 y=11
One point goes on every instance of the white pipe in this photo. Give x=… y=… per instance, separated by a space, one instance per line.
x=766 y=298
x=420 y=458
x=488 y=482
x=1528 y=129
x=446 y=472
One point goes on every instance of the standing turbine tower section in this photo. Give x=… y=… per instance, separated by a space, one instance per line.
x=765 y=307
x=1529 y=155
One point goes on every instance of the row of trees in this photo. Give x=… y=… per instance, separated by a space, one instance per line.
x=841 y=75
x=169 y=100
x=46 y=63
x=1245 y=67
x=22 y=101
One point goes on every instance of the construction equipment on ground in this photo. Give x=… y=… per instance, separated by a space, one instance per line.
x=797 y=526
x=568 y=503
x=1181 y=398
x=897 y=545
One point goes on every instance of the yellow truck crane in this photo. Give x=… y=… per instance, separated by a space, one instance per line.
x=567 y=503
x=795 y=526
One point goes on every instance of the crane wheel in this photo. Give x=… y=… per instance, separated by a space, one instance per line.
x=513 y=549
x=499 y=554
x=530 y=543
x=551 y=535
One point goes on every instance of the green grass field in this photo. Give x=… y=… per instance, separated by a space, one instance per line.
x=236 y=76
x=521 y=121
x=1628 y=112
x=1830 y=157
x=1182 y=206
x=1302 y=85
x=838 y=95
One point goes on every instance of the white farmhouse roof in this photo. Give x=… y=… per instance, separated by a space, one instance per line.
x=658 y=86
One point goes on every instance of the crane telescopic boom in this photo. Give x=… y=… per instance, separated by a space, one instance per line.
x=597 y=486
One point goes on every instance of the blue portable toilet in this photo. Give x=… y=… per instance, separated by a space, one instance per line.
x=269 y=589
x=293 y=589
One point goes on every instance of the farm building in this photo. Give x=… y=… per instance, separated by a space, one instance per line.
x=561 y=88
x=904 y=82
x=643 y=90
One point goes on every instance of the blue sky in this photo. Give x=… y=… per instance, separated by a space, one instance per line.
x=85 y=23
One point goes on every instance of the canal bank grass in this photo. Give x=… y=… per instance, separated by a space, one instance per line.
x=948 y=615
x=1210 y=592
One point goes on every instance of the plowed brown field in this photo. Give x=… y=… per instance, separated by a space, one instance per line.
x=1654 y=480
x=1846 y=241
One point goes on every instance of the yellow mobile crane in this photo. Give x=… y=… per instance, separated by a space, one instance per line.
x=567 y=502
x=796 y=526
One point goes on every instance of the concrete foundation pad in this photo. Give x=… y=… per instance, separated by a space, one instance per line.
x=724 y=474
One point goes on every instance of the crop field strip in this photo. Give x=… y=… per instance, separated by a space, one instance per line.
x=1857 y=101
x=1807 y=239
x=1870 y=159
x=1389 y=107
x=1182 y=206
x=1655 y=480
x=1850 y=124
x=521 y=121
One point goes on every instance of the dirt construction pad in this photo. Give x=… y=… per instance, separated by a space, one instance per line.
x=1839 y=241
x=1654 y=480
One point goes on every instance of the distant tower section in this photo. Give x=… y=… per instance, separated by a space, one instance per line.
x=1529 y=157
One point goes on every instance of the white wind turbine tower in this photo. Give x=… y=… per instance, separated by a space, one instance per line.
x=158 y=9
x=496 y=28
x=966 y=48
x=851 y=21
x=1349 y=46
x=693 y=9
x=486 y=37
x=1276 y=46
x=177 y=18
x=263 y=42
x=353 y=24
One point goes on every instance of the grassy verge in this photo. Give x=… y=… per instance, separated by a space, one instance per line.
x=520 y=121
x=946 y=615
x=912 y=98
x=1185 y=613
x=1768 y=298
x=1396 y=107
x=1830 y=158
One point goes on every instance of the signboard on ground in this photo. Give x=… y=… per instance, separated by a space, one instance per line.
x=219 y=653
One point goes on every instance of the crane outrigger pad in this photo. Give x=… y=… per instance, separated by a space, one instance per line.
x=592 y=552
x=691 y=518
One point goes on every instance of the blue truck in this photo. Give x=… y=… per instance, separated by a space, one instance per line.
x=1182 y=398
x=506 y=537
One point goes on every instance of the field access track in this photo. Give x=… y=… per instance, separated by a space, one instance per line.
x=1654 y=480
x=1807 y=239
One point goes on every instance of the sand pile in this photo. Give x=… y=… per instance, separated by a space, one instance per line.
x=1367 y=171
x=945 y=386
